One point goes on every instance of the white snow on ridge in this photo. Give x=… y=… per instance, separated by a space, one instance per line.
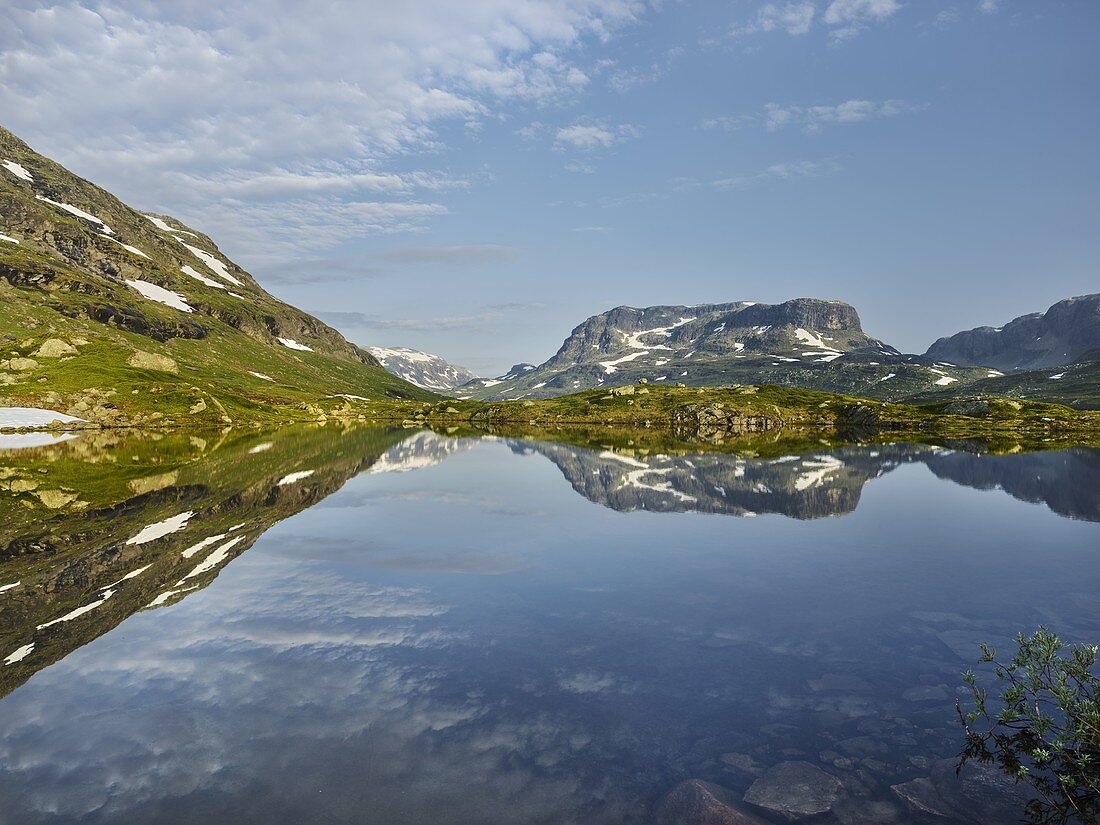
x=202 y=279
x=162 y=528
x=609 y=366
x=17 y=170
x=160 y=295
x=1056 y=377
x=127 y=247
x=821 y=467
x=888 y=377
x=80 y=213
x=80 y=611
x=290 y=343
x=294 y=477
x=215 y=265
x=8 y=238
x=159 y=224
x=20 y=417
x=214 y=559
x=19 y=654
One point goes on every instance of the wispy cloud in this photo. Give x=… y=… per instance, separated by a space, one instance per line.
x=843 y=18
x=989 y=6
x=271 y=114
x=850 y=17
x=812 y=119
x=777 y=172
x=794 y=18
x=588 y=135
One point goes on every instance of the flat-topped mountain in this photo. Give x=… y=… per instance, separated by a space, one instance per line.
x=422 y=368
x=101 y=304
x=1059 y=336
x=805 y=342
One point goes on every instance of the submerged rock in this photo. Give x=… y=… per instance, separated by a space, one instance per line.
x=696 y=802
x=795 y=790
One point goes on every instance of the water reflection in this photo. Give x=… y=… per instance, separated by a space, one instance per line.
x=473 y=642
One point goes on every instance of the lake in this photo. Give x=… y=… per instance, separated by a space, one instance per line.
x=392 y=626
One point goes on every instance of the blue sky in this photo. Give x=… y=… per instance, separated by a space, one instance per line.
x=476 y=178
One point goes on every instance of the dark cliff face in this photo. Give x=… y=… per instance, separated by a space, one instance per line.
x=1059 y=336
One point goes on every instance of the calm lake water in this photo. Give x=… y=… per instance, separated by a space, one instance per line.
x=421 y=629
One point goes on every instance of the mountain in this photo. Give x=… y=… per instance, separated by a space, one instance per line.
x=115 y=315
x=805 y=342
x=1059 y=336
x=422 y=368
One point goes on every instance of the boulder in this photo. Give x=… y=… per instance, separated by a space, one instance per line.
x=20 y=364
x=795 y=789
x=54 y=348
x=696 y=802
x=151 y=361
x=627 y=390
x=974 y=408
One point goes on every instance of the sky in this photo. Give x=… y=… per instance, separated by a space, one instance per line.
x=476 y=178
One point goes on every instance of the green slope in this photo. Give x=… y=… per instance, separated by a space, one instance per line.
x=67 y=252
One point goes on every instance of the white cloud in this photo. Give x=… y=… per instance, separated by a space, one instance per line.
x=849 y=17
x=277 y=111
x=589 y=135
x=989 y=6
x=813 y=118
x=794 y=18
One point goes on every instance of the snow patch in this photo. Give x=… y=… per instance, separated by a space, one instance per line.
x=9 y=586
x=294 y=477
x=160 y=529
x=17 y=170
x=214 y=559
x=216 y=266
x=19 y=654
x=260 y=375
x=80 y=611
x=198 y=276
x=1056 y=377
x=127 y=247
x=160 y=295
x=8 y=238
x=290 y=343
x=80 y=213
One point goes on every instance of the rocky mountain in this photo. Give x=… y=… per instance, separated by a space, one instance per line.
x=805 y=342
x=1059 y=336
x=117 y=315
x=422 y=368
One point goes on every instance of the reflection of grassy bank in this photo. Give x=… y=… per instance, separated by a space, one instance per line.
x=67 y=513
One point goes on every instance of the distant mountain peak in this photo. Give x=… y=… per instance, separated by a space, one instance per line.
x=422 y=368
x=1059 y=336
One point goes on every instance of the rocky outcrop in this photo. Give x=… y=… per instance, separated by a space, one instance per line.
x=1061 y=335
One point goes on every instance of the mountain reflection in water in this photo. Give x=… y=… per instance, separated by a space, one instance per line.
x=471 y=642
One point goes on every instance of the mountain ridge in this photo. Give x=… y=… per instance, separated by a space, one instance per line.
x=100 y=301
x=1063 y=333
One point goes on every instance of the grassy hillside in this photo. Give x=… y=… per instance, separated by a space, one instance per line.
x=117 y=316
